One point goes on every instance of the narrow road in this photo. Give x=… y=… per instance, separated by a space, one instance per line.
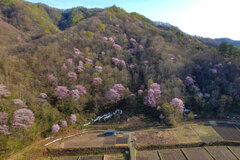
x=132 y=155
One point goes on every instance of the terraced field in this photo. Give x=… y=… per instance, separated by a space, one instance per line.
x=197 y=154
x=105 y=157
x=182 y=136
x=172 y=154
x=81 y=158
x=236 y=151
x=207 y=133
x=187 y=135
x=148 y=155
x=155 y=137
x=221 y=153
x=228 y=131
x=208 y=153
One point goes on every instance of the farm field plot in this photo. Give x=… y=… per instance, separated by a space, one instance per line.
x=114 y=157
x=82 y=158
x=92 y=158
x=228 y=131
x=95 y=139
x=155 y=137
x=221 y=153
x=147 y=155
x=122 y=139
x=175 y=154
x=65 y=158
x=236 y=150
x=197 y=154
x=187 y=135
x=207 y=133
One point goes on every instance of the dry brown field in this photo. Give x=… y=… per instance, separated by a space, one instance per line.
x=174 y=154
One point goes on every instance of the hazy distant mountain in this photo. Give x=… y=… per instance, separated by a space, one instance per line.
x=162 y=23
x=229 y=41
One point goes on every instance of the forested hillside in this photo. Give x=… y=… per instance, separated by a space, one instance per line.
x=62 y=68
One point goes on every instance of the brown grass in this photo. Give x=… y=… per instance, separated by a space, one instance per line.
x=187 y=135
x=89 y=139
x=198 y=154
x=114 y=157
x=236 y=150
x=172 y=155
x=155 y=137
x=147 y=155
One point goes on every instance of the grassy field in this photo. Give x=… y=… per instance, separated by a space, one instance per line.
x=115 y=157
x=187 y=135
x=207 y=133
x=181 y=135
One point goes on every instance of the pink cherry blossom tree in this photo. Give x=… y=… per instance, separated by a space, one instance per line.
x=112 y=96
x=75 y=94
x=4 y=129
x=154 y=94
x=81 y=89
x=72 y=76
x=20 y=103
x=111 y=39
x=43 y=95
x=140 y=92
x=89 y=61
x=23 y=118
x=189 y=81
x=73 y=118
x=55 y=128
x=133 y=41
x=52 y=79
x=117 y=46
x=97 y=81
x=98 y=69
x=178 y=103
x=4 y=91
x=119 y=88
x=80 y=67
x=3 y=118
x=76 y=52
x=62 y=92
x=64 y=66
x=64 y=123
x=119 y=63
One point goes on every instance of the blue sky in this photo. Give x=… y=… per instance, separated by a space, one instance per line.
x=207 y=18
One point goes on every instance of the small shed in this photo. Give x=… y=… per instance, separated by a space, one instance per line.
x=110 y=132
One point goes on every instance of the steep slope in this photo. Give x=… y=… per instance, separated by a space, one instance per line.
x=33 y=19
x=9 y=34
